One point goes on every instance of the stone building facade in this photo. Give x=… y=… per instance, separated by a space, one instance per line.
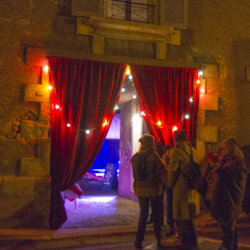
x=216 y=39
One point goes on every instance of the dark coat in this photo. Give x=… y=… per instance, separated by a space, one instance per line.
x=185 y=200
x=148 y=175
x=229 y=190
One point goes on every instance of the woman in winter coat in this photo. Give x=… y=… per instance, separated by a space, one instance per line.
x=148 y=173
x=229 y=190
x=185 y=200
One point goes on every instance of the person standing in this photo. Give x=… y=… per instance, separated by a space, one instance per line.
x=169 y=195
x=229 y=191
x=148 y=171
x=184 y=198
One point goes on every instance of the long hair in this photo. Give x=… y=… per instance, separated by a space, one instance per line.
x=234 y=148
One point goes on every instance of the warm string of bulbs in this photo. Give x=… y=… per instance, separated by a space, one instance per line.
x=128 y=74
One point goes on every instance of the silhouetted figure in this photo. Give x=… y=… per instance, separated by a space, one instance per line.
x=148 y=186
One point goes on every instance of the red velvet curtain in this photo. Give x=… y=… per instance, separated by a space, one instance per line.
x=164 y=96
x=85 y=94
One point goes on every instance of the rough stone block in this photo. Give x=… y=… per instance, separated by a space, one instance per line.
x=208 y=133
x=210 y=70
x=33 y=129
x=200 y=149
x=33 y=167
x=35 y=56
x=25 y=202
x=36 y=93
x=208 y=102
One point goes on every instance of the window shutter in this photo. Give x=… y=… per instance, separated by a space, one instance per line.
x=87 y=8
x=174 y=13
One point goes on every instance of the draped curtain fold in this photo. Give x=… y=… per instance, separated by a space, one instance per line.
x=85 y=94
x=164 y=96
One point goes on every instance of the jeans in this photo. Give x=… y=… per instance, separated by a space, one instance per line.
x=156 y=214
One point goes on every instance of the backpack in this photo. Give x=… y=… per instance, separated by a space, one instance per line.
x=194 y=173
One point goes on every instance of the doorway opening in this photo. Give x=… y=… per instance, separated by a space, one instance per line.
x=107 y=197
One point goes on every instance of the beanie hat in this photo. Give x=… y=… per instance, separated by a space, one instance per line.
x=180 y=135
x=147 y=140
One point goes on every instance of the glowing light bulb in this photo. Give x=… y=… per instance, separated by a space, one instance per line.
x=123 y=89
x=134 y=96
x=198 y=81
x=105 y=123
x=128 y=72
x=49 y=87
x=191 y=99
x=130 y=77
x=187 y=116
x=68 y=125
x=159 y=123
x=46 y=68
x=57 y=106
x=202 y=91
x=143 y=113
x=116 y=107
x=87 y=131
x=174 y=128
x=200 y=73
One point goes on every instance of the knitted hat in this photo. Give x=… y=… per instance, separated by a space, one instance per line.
x=147 y=140
x=180 y=135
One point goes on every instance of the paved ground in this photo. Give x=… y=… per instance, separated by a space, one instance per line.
x=107 y=221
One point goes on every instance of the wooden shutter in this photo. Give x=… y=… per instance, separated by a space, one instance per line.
x=174 y=13
x=87 y=8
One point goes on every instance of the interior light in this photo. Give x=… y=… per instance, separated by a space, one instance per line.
x=202 y=91
x=87 y=131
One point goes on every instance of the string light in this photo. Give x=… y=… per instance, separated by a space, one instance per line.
x=128 y=72
x=123 y=89
x=57 y=106
x=174 y=128
x=105 y=123
x=116 y=107
x=134 y=96
x=200 y=73
x=187 y=116
x=202 y=91
x=130 y=77
x=143 y=113
x=68 y=125
x=198 y=81
x=191 y=99
x=159 y=123
x=46 y=68
x=49 y=87
x=87 y=131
